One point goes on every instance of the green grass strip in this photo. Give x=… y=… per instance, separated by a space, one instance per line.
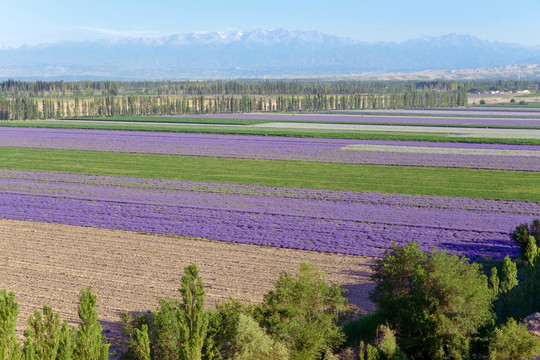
x=238 y=130
x=488 y=184
x=173 y=120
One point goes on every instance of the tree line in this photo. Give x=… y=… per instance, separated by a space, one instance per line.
x=429 y=305
x=143 y=105
x=16 y=88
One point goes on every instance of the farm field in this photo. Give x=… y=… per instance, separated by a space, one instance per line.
x=464 y=155
x=473 y=183
x=477 y=111
x=326 y=189
x=304 y=132
x=508 y=133
x=331 y=118
x=318 y=220
x=47 y=263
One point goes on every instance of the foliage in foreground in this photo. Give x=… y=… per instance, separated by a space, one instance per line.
x=49 y=337
x=512 y=341
x=430 y=306
x=443 y=301
x=303 y=312
x=299 y=319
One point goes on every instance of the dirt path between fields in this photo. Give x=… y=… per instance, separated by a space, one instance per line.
x=49 y=264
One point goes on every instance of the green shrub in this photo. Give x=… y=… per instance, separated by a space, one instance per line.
x=362 y=328
x=222 y=328
x=522 y=235
x=9 y=312
x=304 y=313
x=512 y=341
x=436 y=301
x=47 y=337
x=252 y=343
x=132 y=326
x=387 y=345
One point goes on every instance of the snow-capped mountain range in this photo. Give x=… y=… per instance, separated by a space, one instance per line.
x=257 y=53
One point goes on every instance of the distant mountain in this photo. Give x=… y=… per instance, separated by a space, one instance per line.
x=257 y=53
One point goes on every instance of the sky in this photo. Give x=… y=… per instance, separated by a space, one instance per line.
x=37 y=21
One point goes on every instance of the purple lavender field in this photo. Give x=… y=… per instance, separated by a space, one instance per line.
x=437 y=118
x=489 y=156
x=318 y=220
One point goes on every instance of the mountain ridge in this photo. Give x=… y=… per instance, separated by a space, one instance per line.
x=256 y=53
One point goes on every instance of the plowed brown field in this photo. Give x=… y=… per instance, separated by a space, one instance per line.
x=49 y=264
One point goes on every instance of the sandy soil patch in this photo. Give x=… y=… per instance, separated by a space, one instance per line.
x=439 y=150
x=49 y=264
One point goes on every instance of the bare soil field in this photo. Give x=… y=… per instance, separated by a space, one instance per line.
x=48 y=264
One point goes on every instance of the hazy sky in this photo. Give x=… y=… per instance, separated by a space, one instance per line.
x=37 y=21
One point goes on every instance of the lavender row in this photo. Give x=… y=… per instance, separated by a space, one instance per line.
x=329 y=221
x=263 y=147
x=397 y=120
x=459 y=112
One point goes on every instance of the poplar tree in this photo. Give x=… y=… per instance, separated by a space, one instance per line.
x=47 y=337
x=89 y=344
x=193 y=319
x=181 y=326
x=9 y=311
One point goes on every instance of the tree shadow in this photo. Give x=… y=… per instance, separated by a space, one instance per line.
x=358 y=292
x=478 y=251
x=112 y=330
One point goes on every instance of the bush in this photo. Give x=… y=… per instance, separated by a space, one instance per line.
x=252 y=343
x=522 y=235
x=304 y=313
x=9 y=312
x=222 y=328
x=436 y=301
x=512 y=341
x=482 y=102
x=48 y=337
x=363 y=328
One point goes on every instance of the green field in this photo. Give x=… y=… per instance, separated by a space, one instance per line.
x=173 y=120
x=491 y=184
x=238 y=130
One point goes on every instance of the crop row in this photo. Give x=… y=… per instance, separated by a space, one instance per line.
x=353 y=117
x=320 y=220
x=410 y=135
x=483 y=111
x=499 y=156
